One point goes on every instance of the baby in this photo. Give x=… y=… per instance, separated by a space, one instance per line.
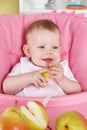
x=42 y=54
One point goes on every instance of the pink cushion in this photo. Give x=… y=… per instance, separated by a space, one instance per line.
x=78 y=51
x=73 y=39
x=11 y=31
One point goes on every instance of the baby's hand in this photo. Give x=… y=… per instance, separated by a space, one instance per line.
x=57 y=72
x=38 y=79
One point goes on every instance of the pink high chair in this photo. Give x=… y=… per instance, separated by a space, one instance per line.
x=74 y=48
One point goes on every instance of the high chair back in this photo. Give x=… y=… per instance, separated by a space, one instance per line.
x=73 y=40
x=74 y=43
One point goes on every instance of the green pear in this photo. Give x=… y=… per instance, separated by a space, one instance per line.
x=36 y=115
x=12 y=112
x=12 y=117
x=71 y=120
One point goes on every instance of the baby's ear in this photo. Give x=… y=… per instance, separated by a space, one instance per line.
x=26 y=50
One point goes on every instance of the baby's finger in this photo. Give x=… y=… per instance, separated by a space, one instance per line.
x=42 y=78
x=37 y=85
x=54 y=72
x=44 y=70
x=41 y=83
x=56 y=69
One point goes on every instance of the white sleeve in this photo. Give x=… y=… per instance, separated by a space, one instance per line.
x=16 y=70
x=67 y=71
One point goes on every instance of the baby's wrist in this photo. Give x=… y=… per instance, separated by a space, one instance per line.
x=61 y=80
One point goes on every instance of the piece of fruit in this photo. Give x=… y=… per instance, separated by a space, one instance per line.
x=71 y=120
x=46 y=74
x=12 y=119
x=8 y=124
x=36 y=115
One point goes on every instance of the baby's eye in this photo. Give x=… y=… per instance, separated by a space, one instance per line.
x=55 y=47
x=41 y=47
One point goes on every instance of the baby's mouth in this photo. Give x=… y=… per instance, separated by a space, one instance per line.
x=48 y=61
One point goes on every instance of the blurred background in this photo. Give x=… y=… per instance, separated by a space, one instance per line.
x=9 y=6
x=23 y=6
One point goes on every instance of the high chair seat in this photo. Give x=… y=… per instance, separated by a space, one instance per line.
x=74 y=43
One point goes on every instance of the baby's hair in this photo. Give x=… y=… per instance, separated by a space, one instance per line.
x=43 y=24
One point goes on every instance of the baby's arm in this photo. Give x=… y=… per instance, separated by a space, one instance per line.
x=69 y=86
x=13 y=84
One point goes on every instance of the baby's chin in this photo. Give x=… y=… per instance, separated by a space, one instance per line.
x=47 y=66
x=40 y=65
x=43 y=65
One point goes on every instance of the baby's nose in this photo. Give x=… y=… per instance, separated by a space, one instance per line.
x=49 y=51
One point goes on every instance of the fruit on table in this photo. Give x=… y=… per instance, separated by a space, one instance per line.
x=71 y=120
x=36 y=115
x=46 y=74
x=12 y=119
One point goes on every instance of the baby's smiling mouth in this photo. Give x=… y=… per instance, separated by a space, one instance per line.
x=48 y=60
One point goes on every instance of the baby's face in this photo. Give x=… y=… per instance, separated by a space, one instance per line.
x=44 y=46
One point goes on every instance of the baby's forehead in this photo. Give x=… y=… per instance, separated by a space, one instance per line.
x=41 y=30
x=43 y=36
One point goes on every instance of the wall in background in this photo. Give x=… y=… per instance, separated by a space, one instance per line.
x=9 y=6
